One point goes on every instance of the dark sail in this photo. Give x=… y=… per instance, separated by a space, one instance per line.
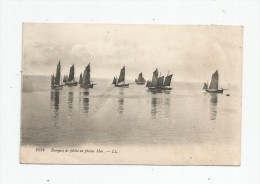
x=154 y=79
x=122 y=75
x=114 y=81
x=86 y=76
x=160 y=81
x=214 y=81
x=80 y=79
x=57 y=77
x=52 y=80
x=140 y=78
x=167 y=81
x=71 y=75
x=148 y=83
x=205 y=85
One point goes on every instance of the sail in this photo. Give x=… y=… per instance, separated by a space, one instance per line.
x=80 y=79
x=148 y=83
x=71 y=75
x=167 y=81
x=160 y=81
x=114 y=81
x=205 y=85
x=57 y=77
x=122 y=75
x=154 y=79
x=214 y=81
x=86 y=75
x=52 y=80
x=140 y=76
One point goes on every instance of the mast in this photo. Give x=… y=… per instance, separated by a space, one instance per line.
x=167 y=81
x=214 y=81
x=160 y=81
x=71 y=75
x=57 y=77
x=154 y=79
x=122 y=75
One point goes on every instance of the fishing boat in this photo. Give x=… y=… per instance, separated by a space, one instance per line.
x=121 y=80
x=148 y=83
x=80 y=79
x=140 y=80
x=167 y=83
x=213 y=87
x=71 y=80
x=114 y=81
x=86 y=83
x=55 y=80
x=154 y=83
x=205 y=86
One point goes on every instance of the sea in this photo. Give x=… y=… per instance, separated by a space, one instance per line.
x=108 y=115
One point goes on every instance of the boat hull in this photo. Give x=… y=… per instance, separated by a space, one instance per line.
x=165 y=88
x=154 y=88
x=70 y=84
x=60 y=87
x=140 y=83
x=87 y=86
x=122 y=85
x=214 y=90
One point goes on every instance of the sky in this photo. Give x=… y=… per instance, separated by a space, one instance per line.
x=190 y=53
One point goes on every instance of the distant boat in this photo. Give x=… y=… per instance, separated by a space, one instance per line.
x=213 y=87
x=86 y=83
x=71 y=80
x=140 y=80
x=80 y=79
x=55 y=80
x=148 y=83
x=114 y=81
x=121 y=80
x=159 y=83
x=205 y=86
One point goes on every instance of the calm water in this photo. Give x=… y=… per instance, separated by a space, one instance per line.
x=126 y=116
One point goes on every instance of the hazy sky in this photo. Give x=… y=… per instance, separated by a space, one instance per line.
x=191 y=53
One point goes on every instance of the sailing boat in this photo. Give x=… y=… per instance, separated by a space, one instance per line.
x=71 y=80
x=86 y=83
x=114 y=81
x=213 y=87
x=205 y=86
x=154 y=83
x=148 y=83
x=80 y=79
x=55 y=81
x=140 y=80
x=121 y=80
x=167 y=83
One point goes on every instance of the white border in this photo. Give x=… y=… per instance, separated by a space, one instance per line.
x=13 y=13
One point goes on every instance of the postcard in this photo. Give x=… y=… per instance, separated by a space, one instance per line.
x=131 y=94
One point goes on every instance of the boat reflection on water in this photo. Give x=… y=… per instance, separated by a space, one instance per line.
x=86 y=102
x=213 y=105
x=156 y=104
x=121 y=101
x=55 y=102
x=70 y=101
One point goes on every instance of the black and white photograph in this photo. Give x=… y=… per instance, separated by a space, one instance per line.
x=131 y=94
